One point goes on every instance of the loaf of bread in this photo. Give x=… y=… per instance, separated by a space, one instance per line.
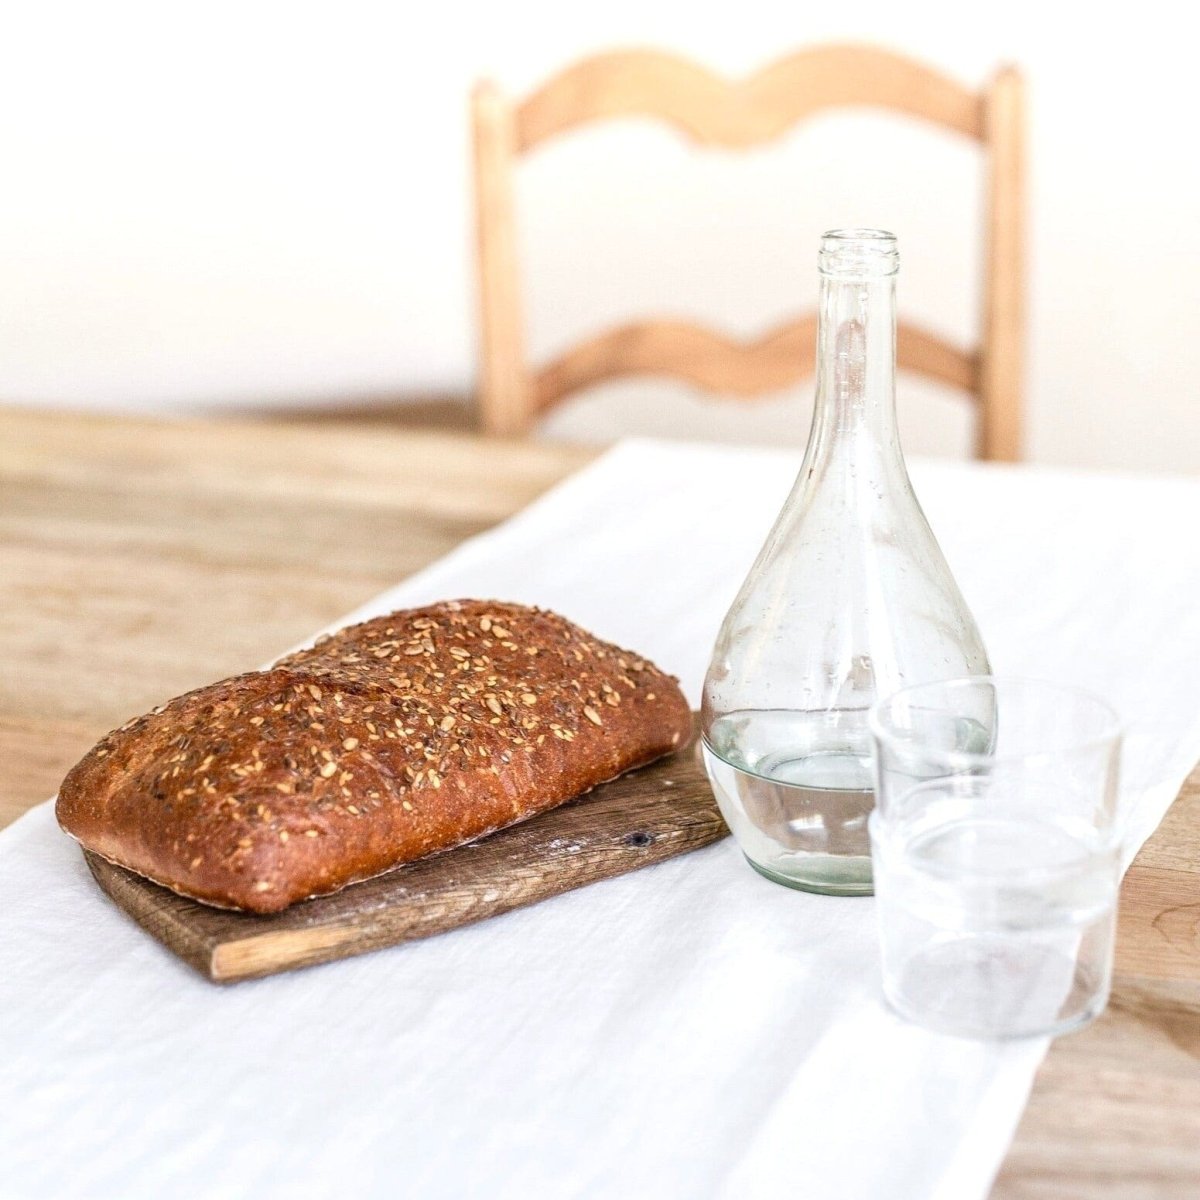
x=405 y=735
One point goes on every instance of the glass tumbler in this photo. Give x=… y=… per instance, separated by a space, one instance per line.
x=995 y=848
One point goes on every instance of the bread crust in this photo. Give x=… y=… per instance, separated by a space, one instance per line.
x=405 y=735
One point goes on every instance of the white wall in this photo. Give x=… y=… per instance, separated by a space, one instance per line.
x=255 y=203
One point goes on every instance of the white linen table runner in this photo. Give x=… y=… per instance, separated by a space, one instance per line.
x=690 y=1030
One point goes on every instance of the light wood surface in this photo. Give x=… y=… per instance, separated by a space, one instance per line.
x=720 y=364
x=713 y=111
x=138 y=560
x=1002 y=351
x=1115 y=1111
x=641 y=818
x=503 y=379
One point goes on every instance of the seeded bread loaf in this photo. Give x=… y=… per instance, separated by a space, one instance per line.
x=390 y=740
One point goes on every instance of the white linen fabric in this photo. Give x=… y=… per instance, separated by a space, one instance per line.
x=690 y=1030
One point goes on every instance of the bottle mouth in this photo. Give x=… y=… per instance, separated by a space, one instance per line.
x=858 y=254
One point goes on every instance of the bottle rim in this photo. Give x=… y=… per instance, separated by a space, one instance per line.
x=858 y=253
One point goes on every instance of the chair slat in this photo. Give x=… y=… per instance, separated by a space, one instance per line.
x=722 y=365
x=710 y=109
x=925 y=353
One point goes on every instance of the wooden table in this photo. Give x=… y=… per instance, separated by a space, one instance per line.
x=139 y=559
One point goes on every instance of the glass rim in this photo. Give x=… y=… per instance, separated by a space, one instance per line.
x=881 y=731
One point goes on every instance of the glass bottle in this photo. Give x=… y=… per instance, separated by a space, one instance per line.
x=850 y=599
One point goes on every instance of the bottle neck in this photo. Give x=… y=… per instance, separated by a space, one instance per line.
x=856 y=369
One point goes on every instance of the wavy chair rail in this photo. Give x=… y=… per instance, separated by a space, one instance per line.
x=711 y=110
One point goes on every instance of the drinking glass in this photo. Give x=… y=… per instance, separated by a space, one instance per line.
x=995 y=848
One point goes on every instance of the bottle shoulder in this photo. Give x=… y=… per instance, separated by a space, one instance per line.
x=843 y=620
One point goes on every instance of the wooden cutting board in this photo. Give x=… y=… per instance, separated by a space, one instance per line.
x=642 y=818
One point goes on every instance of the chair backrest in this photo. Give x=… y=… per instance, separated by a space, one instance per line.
x=713 y=111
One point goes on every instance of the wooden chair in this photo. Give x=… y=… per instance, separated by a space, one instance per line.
x=712 y=111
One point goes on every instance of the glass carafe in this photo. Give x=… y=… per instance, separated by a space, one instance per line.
x=850 y=599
